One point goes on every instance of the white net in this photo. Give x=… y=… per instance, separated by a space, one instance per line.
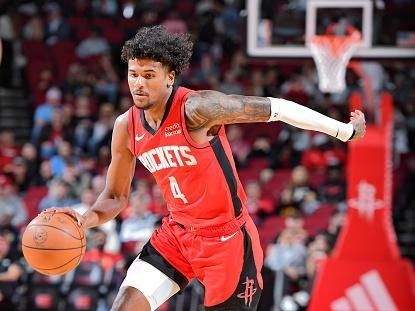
x=331 y=55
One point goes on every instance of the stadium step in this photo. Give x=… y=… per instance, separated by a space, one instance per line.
x=15 y=113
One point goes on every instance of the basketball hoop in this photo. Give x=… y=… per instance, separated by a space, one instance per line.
x=332 y=54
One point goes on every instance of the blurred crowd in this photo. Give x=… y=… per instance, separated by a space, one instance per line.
x=66 y=55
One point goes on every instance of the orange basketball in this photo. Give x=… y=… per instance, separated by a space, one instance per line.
x=53 y=243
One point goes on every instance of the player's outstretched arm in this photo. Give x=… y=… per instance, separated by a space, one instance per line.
x=206 y=109
x=118 y=182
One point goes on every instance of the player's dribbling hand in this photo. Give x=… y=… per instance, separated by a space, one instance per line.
x=357 y=119
x=67 y=210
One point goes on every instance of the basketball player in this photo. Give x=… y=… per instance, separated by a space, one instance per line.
x=178 y=134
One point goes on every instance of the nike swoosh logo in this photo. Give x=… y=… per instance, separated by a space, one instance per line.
x=138 y=138
x=225 y=238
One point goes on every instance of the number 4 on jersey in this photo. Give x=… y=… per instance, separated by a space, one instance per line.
x=175 y=190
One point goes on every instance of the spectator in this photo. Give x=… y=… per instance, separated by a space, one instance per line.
x=230 y=85
x=174 y=23
x=102 y=129
x=12 y=210
x=300 y=191
x=58 y=196
x=335 y=224
x=34 y=29
x=10 y=273
x=83 y=120
x=8 y=150
x=20 y=174
x=95 y=44
x=52 y=135
x=30 y=156
x=112 y=241
x=333 y=190
x=261 y=147
x=45 y=112
x=239 y=146
x=97 y=240
x=45 y=174
x=56 y=28
x=139 y=226
x=158 y=205
x=258 y=206
x=106 y=79
x=58 y=162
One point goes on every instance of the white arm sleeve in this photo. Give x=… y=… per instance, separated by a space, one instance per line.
x=308 y=119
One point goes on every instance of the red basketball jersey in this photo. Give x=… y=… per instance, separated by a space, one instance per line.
x=198 y=181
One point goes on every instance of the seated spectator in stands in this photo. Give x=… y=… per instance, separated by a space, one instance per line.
x=20 y=175
x=105 y=79
x=258 y=206
x=94 y=45
x=98 y=184
x=51 y=135
x=230 y=84
x=12 y=210
x=77 y=81
x=74 y=177
x=10 y=273
x=58 y=196
x=286 y=205
x=45 y=174
x=318 y=249
x=174 y=23
x=83 y=119
x=97 y=240
x=310 y=203
x=333 y=190
x=40 y=84
x=143 y=189
x=158 y=205
x=45 y=112
x=313 y=158
x=297 y=89
x=8 y=150
x=239 y=146
x=112 y=241
x=288 y=254
x=64 y=155
x=207 y=75
x=56 y=28
x=257 y=86
x=30 y=156
x=300 y=184
x=261 y=148
x=139 y=225
x=335 y=224
x=102 y=128
x=34 y=29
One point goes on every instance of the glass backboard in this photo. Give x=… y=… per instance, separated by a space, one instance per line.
x=280 y=28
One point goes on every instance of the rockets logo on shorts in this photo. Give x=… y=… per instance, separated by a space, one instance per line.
x=166 y=157
x=249 y=292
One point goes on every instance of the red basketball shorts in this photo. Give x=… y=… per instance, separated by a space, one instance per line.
x=228 y=266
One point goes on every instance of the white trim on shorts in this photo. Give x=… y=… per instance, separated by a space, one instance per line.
x=154 y=284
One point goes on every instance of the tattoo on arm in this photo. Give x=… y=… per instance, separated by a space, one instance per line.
x=209 y=108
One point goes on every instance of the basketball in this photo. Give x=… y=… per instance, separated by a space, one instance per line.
x=53 y=243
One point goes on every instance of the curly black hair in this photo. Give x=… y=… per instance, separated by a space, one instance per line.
x=155 y=43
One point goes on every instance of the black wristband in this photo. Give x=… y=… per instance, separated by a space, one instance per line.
x=354 y=133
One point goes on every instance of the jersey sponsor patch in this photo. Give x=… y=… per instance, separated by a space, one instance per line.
x=166 y=157
x=173 y=129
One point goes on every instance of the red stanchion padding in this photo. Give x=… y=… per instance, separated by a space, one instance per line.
x=366 y=271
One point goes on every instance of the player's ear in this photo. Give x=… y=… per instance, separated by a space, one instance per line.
x=170 y=78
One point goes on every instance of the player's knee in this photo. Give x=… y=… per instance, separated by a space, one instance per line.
x=128 y=299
